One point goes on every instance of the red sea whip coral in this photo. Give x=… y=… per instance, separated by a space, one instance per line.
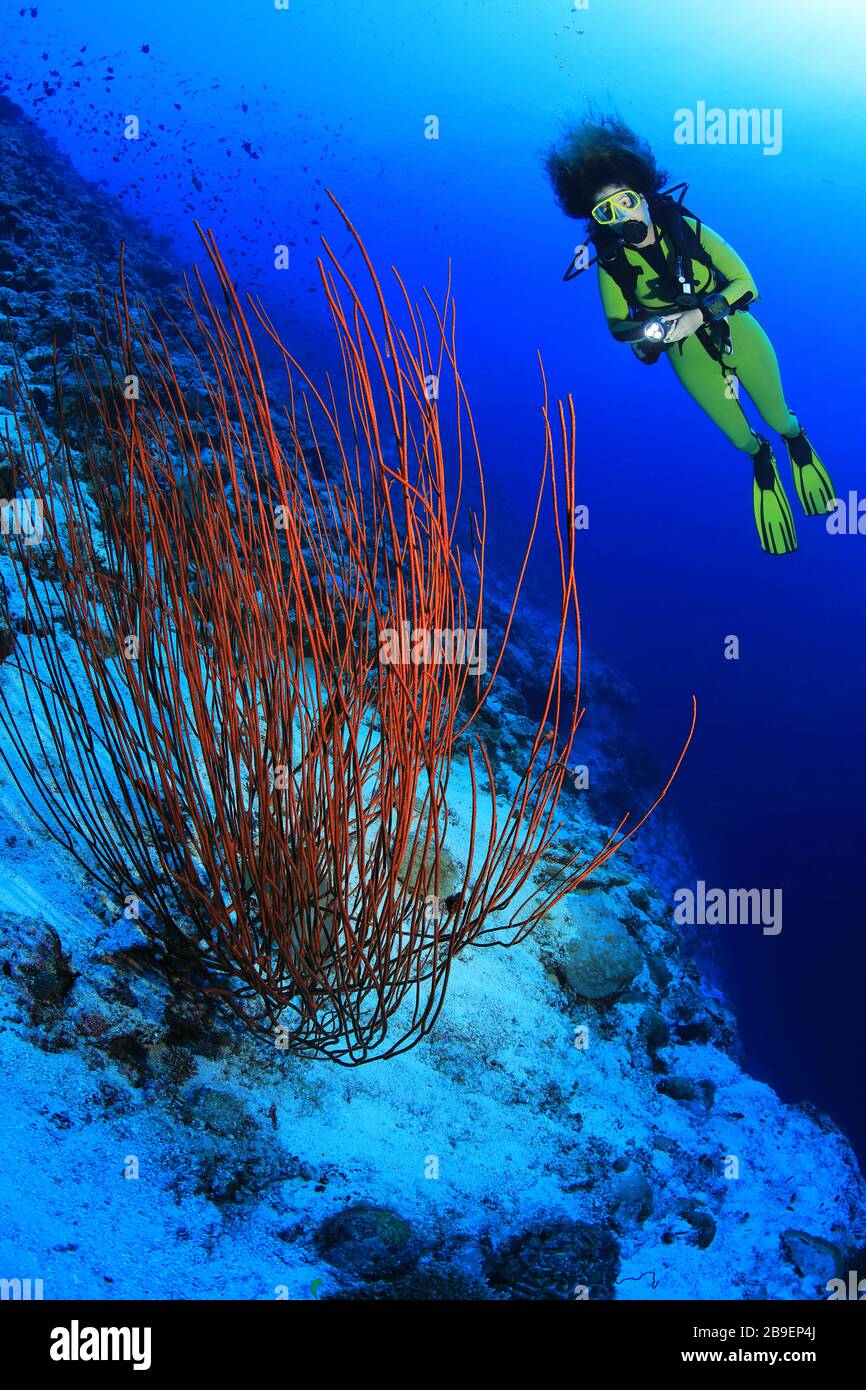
x=224 y=744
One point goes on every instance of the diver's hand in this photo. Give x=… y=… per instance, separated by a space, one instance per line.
x=682 y=325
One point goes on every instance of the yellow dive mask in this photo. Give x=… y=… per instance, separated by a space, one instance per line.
x=617 y=208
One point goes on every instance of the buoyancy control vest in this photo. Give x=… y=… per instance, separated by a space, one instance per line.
x=675 y=284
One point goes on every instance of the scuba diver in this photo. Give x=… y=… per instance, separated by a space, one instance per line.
x=670 y=286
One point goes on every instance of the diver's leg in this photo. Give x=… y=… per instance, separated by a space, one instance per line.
x=758 y=370
x=706 y=383
x=715 y=392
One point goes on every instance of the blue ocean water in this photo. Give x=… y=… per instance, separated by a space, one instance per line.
x=248 y=112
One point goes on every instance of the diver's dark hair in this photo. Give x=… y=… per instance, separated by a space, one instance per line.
x=595 y=151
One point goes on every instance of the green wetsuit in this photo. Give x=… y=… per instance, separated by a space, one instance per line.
x=752 y=359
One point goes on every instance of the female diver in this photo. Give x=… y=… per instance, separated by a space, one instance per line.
x=671 y=286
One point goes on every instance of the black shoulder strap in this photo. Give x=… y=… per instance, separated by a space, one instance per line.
x=671 y=214
x=623 y=273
